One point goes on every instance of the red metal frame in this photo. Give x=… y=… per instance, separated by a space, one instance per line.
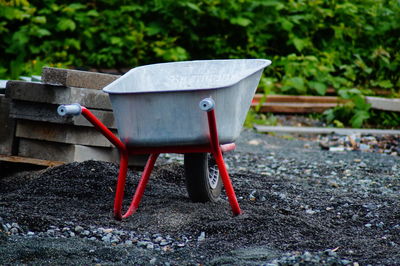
x=214 y=147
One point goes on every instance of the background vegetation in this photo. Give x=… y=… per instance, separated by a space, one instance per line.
x=352 y=46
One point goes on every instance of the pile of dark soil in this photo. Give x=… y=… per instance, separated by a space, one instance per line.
x=301 y=205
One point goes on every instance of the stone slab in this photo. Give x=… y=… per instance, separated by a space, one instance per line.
x=44 y=93
x=61 y=152
x=47 y=113
x=61 y=133
x=324 y=130
x=76 y=78
x=7 y=126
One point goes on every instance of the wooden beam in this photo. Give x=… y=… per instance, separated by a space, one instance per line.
x=26 y=160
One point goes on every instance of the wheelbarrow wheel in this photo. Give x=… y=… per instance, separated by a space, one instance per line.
x=203 y=181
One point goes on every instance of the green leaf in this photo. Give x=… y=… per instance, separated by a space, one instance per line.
x=358 y=118
x=193 y=7
x=42 y=32
x=92 y=13
x=66 y=24
x=241 y=21
x=297 y=83
x=387 y=84
x=299 y=43
x=153 y=29
x=39 y=19
x=319 y=87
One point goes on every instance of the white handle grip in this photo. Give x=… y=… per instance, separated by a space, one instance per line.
x=207 y=104
x=69 y=109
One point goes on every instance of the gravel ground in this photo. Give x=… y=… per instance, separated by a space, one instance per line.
x=302 y=205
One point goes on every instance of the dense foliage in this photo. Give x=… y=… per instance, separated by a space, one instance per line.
x=314 y=44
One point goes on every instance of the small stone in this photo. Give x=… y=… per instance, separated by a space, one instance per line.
x=336 y=149
x=309 y=211
x=164 y=242
x=106 y=238
x=158 y=239
x=85 y=233
x=30 y=233
x=114 y=240
x=71 y=234
x=128 y=242
x=201 y=237
x=14 y=231
x=153 y=261
x=362 y=165
x=254 y=142
x=368 y=225
x=142 y=244
x=150 y=246
x=78 y=229
x=364 y=147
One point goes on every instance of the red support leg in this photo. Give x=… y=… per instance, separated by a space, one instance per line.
x=142 y=185
x=119 y=194
x=217 y=153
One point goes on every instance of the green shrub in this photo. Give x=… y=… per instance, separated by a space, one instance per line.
x=314 y=44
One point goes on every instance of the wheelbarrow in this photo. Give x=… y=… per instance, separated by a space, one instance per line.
x=196 y=108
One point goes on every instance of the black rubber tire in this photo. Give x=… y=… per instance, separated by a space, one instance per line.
x=197 y=172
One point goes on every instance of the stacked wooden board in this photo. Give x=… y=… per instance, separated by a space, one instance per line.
x=314 y=104
x=35 y=130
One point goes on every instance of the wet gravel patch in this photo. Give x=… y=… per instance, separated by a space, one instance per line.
x=301 y=205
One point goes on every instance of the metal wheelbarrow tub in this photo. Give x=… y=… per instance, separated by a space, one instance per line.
x=157 y=105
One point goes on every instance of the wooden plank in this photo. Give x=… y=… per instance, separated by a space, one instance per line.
x=297 y=99
x=26 y=160
x=294 y=107
x=324 y=130
x=317 y=104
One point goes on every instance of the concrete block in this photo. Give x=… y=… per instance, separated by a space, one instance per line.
x=44 y=93
x=7 y=126
x=61 y=133
x=47 y=113
x=76 y=78
x=64 y=152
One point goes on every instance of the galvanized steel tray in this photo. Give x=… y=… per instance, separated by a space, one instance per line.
x=158 y=105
